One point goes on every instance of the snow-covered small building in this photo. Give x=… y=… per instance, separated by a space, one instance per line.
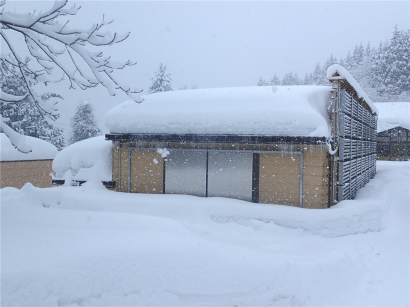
x=393 y=131
x=17 y=168
x=306 y=146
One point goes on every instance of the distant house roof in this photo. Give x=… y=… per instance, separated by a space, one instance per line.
x=392 y=115
x=336 y=72
x=258 y=110
x=41 y=150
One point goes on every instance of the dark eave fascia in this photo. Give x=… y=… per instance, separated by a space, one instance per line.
x=213 y=138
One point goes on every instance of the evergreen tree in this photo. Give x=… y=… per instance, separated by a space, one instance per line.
x=275 y=81
x=26 y=117
x=348 y=60
x=262 y=82
x=83 y=123
x=291 y=79
x=358 y=54
x=368 y=50
x=161 y=82
x=318 y=75
x=391 y=65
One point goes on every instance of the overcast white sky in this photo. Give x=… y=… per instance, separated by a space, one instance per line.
x=231 y=43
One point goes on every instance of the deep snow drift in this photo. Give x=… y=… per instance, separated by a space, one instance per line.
x=85 y=246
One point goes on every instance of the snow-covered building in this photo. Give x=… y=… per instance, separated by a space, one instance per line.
x=307 y=146
x=17 y=168
x=393 y=131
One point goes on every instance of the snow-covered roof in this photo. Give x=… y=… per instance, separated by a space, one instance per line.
x=258 y=110
x=41 y=150
x=392 y=115
x=339 y=72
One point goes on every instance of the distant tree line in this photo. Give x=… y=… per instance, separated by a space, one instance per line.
x=384 y=73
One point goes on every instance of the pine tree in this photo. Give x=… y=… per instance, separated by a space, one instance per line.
x=275 y=81
x=26 y=117
x=318 y=75
x=391 y=65
x=348 y=60
x=262 y=82
x=161 y=82
x=83 y=123
x=291 y=79
x=368 y=50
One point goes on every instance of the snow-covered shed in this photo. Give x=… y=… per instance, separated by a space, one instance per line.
x=17 y=168
x=393 y=131
x=267 y=144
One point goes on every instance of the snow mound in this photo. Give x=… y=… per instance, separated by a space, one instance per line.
x=40 y=150
x=258 y=110
x=392 y=115
x=85 y=160
x=349 y=78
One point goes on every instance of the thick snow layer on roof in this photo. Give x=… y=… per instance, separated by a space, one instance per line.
x=258 y=110
x=349 y=78
x=85 y=160
x=41 y=150
x=392 y=115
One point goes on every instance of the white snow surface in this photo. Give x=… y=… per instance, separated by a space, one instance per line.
x=258 y=110
x=352 y=81
x=88 y=246
x=40 y=150
x=392 y=115
x=88 y=159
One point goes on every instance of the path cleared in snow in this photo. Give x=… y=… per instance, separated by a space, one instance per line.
x=87 y=246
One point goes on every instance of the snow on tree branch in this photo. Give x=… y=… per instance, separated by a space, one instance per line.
x=60 y=52
x=7 y=98
x=18 y=140
x=57 y=47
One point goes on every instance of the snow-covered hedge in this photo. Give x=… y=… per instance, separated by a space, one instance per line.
x=85 y=160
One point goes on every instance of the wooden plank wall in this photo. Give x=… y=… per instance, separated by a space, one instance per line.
x=17 y=173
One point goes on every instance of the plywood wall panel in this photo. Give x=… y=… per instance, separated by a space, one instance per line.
x=17 y=173
x=147 y=172
x=279 y=179
x=123 y=168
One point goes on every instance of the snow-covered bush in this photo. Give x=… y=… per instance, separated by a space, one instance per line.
x=89 y=159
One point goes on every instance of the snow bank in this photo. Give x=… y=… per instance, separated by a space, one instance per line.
x=78 y=246
x=85 y=160
x=259 y=110
x=392 y=115
x=349 y=78
x=40 y=150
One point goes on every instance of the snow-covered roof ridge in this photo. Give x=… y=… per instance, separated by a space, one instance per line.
x=40 y=150
x=343 y=73
x=256 y=110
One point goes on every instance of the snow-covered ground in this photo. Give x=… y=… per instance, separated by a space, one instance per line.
x=87 y=246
